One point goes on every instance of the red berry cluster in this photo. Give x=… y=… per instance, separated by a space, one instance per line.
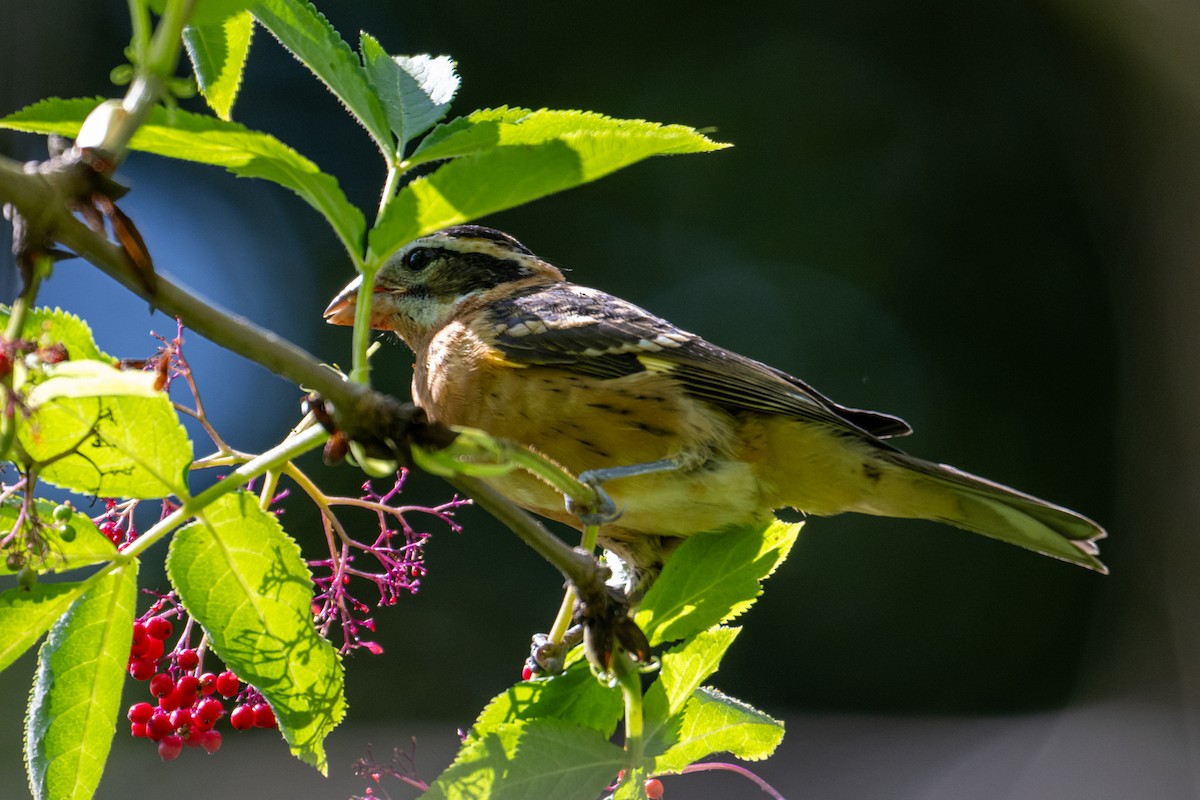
x=189 y=702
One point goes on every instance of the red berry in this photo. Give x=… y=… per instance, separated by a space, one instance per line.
x=227 y=684
x=159 y=726
x=170 y=747
x=188 y=659
x=159 y=627
x=208 y=711
x=170 y=702
x=526 y=672
x=141 y=669
x=654 y=789
x=242 y=718
x=187 y=689
x=150 y=648
x=211 y=741
x=139 y=632
x=141 y=712
x=161 y=685
x=264 y=717
x=139 y=730
x=208 y=683
x=181 y=718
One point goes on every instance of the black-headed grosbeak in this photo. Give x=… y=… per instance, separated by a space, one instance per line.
x=703 y=437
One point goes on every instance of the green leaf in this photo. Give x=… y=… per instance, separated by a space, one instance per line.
x=686 y=666
x=415 y=90
x=207 y=140
x=521 y=760
x=218 y=54
x=241 y=577
x=712 y=578
x=714 y=723
x=27 y=614
x=604 y=143
x=308 y=36
x=573 y=696
x=128 y=445
x=76 y=693
x=505 y=157
x=48 y=326
x=67 y=545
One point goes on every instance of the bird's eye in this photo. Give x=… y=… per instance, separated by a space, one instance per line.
x=418 y=259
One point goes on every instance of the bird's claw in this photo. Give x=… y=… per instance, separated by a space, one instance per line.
x=549 y=658
x=602 y=511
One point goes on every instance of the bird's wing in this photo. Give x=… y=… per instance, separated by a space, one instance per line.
x=592 y=333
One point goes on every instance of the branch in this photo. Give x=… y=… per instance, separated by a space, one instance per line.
x=39 y=197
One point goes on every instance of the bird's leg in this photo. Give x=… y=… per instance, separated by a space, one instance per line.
x=548 y=652
x=605 y=509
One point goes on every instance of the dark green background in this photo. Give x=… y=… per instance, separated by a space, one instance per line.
x=979 y=216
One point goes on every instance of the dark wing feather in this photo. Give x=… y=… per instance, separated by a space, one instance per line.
x=593 y=333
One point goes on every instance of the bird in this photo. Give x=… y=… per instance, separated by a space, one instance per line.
x=684 y=436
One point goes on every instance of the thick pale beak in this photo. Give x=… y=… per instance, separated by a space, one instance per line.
x=341 y=310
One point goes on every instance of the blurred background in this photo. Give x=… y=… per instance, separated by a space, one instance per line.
x=982 y=217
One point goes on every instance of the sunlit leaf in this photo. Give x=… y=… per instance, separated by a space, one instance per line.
x=218 y=54
x=76 y=695
x=713 y=723
x=241 y=577
x=523 y=760
x=307 y=35
x=25 y=614
x=574 y=696
x=415 y=90
x=506 y=157
x=712 y=578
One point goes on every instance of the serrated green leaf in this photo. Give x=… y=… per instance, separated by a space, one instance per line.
x=415 y=90
x=522 y=760
x=111 y=446
x=218 y=54
x=47 y=326
x=573 y=696
x=241 y=577
x=307 y=35
x=604 y=143
x=714 y=723
x=684 y=668
x=208 y=140
x=505 y=157
x=67 y=545
x=26 y=614
x=712 y=578
x=76 y=693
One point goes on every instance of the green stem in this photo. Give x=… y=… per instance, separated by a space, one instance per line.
x=273 y=459
x=562 y=621
x=360 y=372
x=630 y=681
x=24 y=301
x=389 y=190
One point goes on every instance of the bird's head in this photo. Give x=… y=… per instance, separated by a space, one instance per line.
x=425 y=282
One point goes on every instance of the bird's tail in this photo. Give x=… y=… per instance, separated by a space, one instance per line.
x=949 y=495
